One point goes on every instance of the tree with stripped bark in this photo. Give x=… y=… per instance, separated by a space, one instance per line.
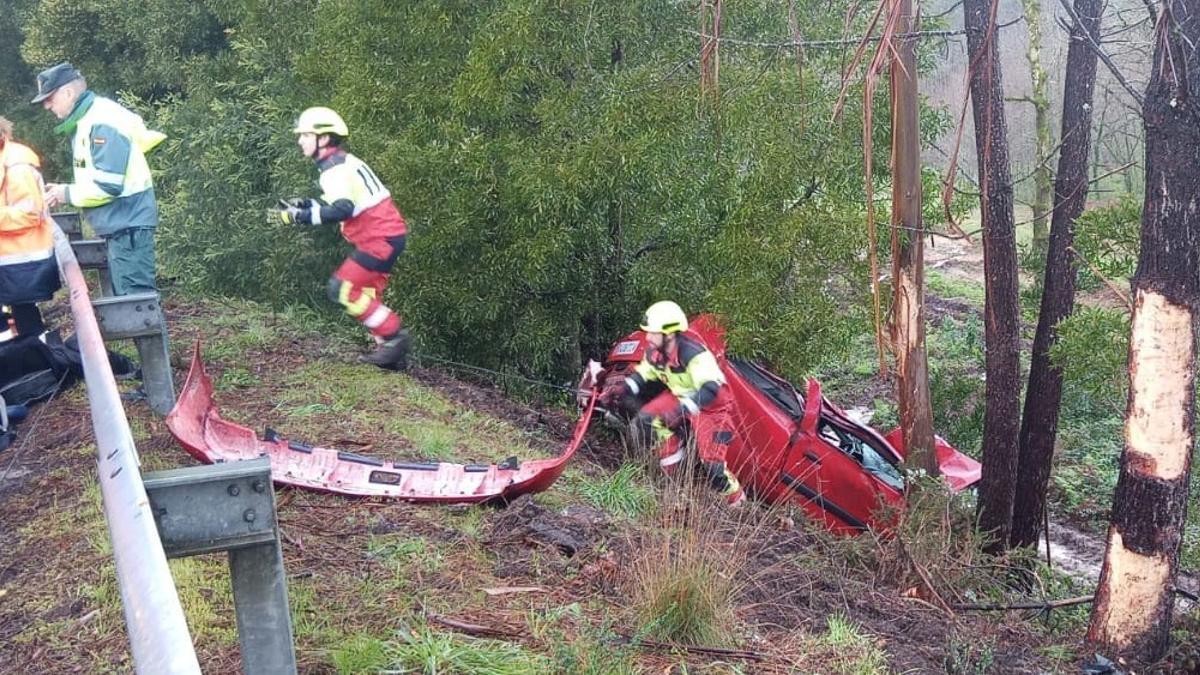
x=1135 y=600
x=908 y=257
x=895 y=49
x=1002 y=311
x=1043 y=395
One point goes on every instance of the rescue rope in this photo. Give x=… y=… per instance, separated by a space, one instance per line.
x=498 y=374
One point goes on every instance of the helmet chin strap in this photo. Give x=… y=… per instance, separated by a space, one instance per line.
x=321 y=152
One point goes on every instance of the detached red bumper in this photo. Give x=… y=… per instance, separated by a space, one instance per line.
x=199 y=428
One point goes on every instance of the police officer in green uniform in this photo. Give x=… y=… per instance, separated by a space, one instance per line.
x=111 y=185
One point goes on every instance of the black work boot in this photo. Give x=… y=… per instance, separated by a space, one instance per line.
x=392 y=354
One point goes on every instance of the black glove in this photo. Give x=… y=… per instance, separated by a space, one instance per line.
x=296 y=203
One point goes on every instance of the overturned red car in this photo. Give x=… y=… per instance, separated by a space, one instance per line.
x=798 y=447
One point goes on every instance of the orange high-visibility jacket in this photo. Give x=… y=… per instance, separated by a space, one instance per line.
x=28 y=270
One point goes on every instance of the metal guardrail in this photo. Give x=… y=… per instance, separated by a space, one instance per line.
x=158 y=632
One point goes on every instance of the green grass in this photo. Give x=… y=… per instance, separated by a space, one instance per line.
x=405 y=555
x=311 y=619
x=206 y=596
x=625 y=493
x=968 y=655
x=236 y=378
x=469 y=522
x=852 y=650
x=430 y=440
x=577 y=647
x=423 y=650
x=685 y=598
x=360 y=654
x=945 y=286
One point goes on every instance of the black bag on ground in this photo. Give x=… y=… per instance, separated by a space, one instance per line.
x=33 y=367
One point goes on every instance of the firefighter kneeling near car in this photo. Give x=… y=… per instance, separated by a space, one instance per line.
x=695 y=397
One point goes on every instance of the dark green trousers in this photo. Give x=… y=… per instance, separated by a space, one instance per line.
x=131 y=261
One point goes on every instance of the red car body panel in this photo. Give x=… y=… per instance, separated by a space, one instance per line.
x=198 y=427
x=798 y=448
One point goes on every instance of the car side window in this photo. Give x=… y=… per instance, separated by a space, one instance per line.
x=860 y=451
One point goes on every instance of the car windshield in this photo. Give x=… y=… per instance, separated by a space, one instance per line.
x=862 y=452
x=782 y=394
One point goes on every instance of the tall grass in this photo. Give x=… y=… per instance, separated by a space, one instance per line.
x=685 y=575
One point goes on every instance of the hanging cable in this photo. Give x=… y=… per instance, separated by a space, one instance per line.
x=497 y=373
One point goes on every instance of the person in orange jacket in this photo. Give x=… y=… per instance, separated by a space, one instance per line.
x=28 y=268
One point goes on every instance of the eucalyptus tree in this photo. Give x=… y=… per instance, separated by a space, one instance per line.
x=1043 y=398
x=1134 y=602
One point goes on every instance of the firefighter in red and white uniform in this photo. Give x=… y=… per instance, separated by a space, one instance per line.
x=695 y=397
x=355 y=197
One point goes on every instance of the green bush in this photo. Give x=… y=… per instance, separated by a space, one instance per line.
x=1108 y=238
x=1093 y=351
x=556 y=164
x=956 y=384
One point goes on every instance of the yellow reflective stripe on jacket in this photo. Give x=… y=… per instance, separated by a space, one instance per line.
x=86 y=191
x=148 y=140
x=688 y=378
x=31 y=256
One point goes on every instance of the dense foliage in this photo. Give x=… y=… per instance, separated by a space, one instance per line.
x=556 y=161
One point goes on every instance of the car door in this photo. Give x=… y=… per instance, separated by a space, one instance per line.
x=828 y=481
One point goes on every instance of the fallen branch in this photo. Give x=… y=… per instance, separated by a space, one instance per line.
x=505 y=590
x=1050 y=604
x=1044 y=606
x=473 y=628
x=693 y=649
x=941 y=602
x=1124 y=297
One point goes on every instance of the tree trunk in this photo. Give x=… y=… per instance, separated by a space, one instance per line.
x=1043 y=179
x=1002 y=314
x=1134 y=602
x=710 y=46
x=908 y=259
x=1039 y=423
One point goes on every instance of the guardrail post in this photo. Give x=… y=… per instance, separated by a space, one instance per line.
x=146 y=326
x=92 y=254
x=139 y=317
x=71 y=223
x=231 y=507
